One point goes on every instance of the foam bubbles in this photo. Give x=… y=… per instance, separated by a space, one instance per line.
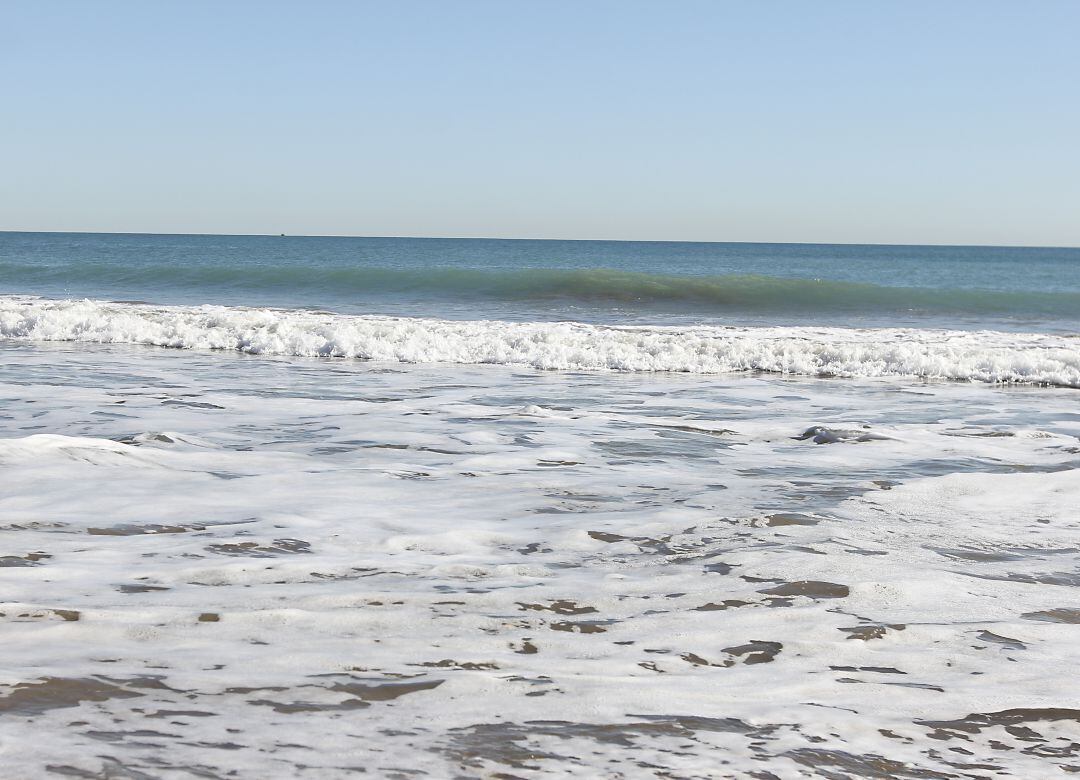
x=266 y=568
x=984 y=356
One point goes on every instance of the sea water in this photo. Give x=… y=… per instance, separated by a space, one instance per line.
x=307 y=507
x=650 y=283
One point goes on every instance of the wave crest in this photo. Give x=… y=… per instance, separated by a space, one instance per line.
x=985 y=356
x=708 y=294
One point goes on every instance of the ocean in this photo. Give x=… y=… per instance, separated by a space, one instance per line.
x=277 y=506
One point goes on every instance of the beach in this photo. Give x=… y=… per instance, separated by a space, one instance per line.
x=337 y=527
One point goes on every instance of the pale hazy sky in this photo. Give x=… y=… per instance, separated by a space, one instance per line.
x=947 y=121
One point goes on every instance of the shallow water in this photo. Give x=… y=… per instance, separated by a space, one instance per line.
x=215 y=564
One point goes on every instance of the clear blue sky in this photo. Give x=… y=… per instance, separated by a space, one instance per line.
x=949 y=121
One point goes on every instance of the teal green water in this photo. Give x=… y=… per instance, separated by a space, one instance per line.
x=606 y=281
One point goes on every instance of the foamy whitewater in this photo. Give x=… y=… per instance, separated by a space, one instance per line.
x=416 y=536
x=985 y=356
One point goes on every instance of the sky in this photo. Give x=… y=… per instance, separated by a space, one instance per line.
x=846 y=121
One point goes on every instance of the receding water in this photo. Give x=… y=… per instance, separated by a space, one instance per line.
x=756 y=511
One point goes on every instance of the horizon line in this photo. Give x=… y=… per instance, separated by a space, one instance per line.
x=533 y=238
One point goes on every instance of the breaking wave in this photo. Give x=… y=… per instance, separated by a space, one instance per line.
x=985 y=356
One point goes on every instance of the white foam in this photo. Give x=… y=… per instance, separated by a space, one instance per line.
x=456 y=516
x=985 y=356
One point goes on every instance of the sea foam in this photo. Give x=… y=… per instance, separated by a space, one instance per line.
x=986 y=356
x=286 y=567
